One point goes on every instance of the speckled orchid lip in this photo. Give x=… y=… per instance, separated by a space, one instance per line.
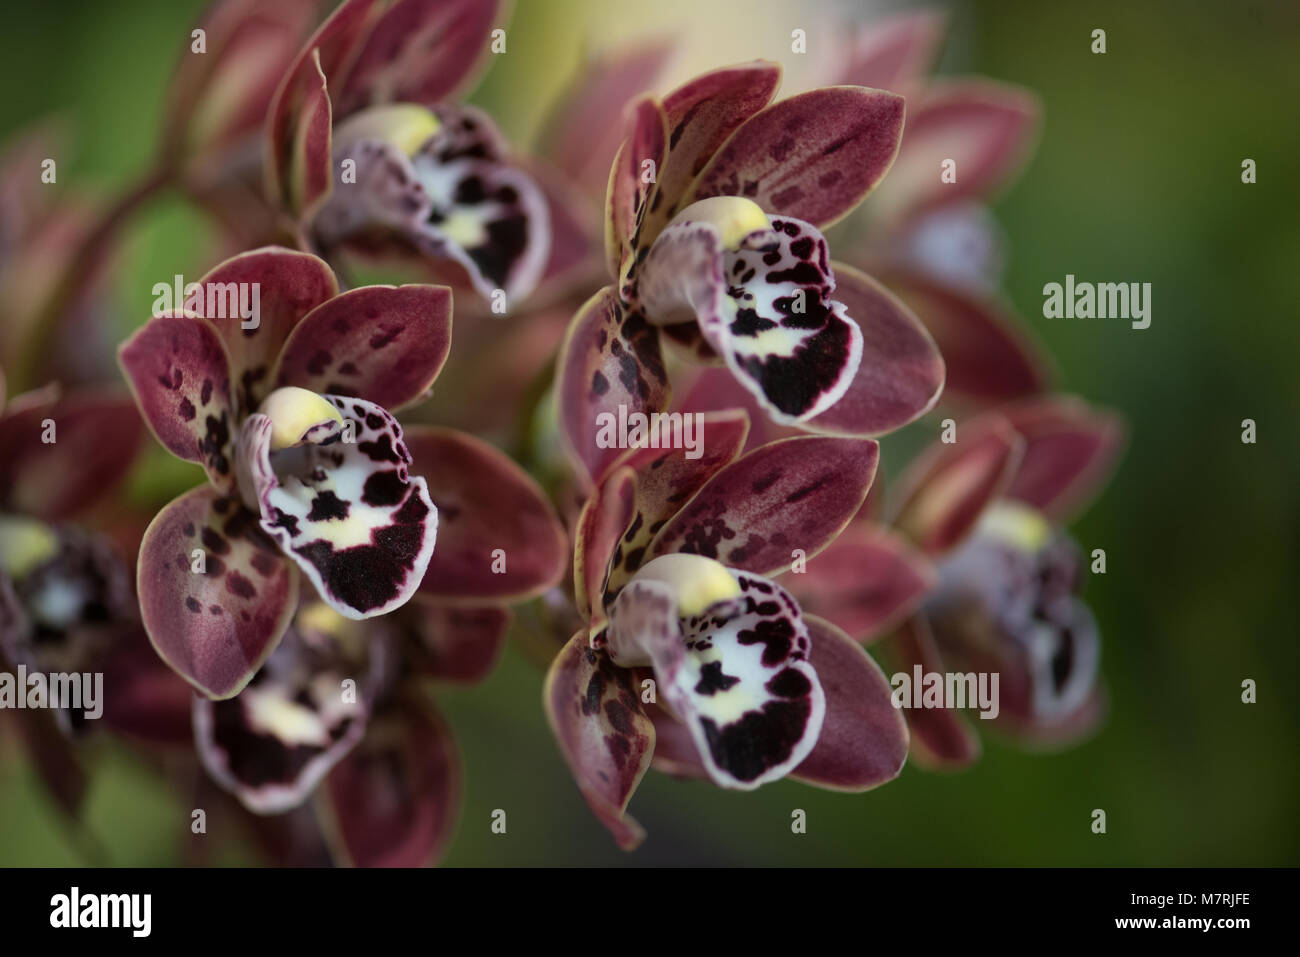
x=730 y=654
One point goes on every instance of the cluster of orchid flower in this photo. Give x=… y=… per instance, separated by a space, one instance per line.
x=707 y=613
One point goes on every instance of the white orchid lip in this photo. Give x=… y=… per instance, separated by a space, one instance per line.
x=298 y=416
x=697 y=582
x=407 y=126
x=734 y=217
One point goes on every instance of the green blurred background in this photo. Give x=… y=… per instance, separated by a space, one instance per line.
x=1137 y=179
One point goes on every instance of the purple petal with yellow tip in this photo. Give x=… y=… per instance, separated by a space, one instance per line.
x=394 y=800
x=784 y=499
x=178 y=371
x=901 y=375
x=666 y=478
x=287 y=285
x=631 y=183
x=611 y=365
x=459 y=645
x=989 y=355
x=604 y=734
x=1070 y=450
x=864 y=740
x=499 y=539
x=865 y=582
x=215 y=592
x=601 y=525
x=345 y=507
x=96 y=436
x=987 y=129
x=813 y=156
x=333 y=44
x=735 y=672
x=384 y=344
x=942 y=495
x=700 y=115
x=302 y=712
x=420 y=51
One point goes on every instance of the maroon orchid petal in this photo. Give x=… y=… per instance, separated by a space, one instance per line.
x=788 y=498
x=895 y=53
x=667 y=478
x=813 y=156
x=734 y=670
x=499 y=539
x=863 y=741
x=611 y=364
x=581 y=134
x=1070 y=451
x=460 y=645
x=346 y=509
x=575 y=253
x=178 y=371
x=55 y=758
x=217 y=96
x=95 y=437
x=990 y=356
x=288 y=285
x=420 y=51
x=764 y=303
x=715 y=389
x=297 y=101
x=943 y=494
x=986 y=128
x=901 y=374
x=604 y=734
x=631 y=183
x=385 y=344
x=604 y=520
x=144 y=699
x=214 y=626
x=700 y=116
x=300 y=715
x=865 y=582
x=393 y=802
x=941 y=737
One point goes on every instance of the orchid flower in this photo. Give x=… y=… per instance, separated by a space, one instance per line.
x=689 y=654
x=67 y=601
x=977 y=574
x=381 y=759
x=426 y=177
x=307 y=468
x=715 y=205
